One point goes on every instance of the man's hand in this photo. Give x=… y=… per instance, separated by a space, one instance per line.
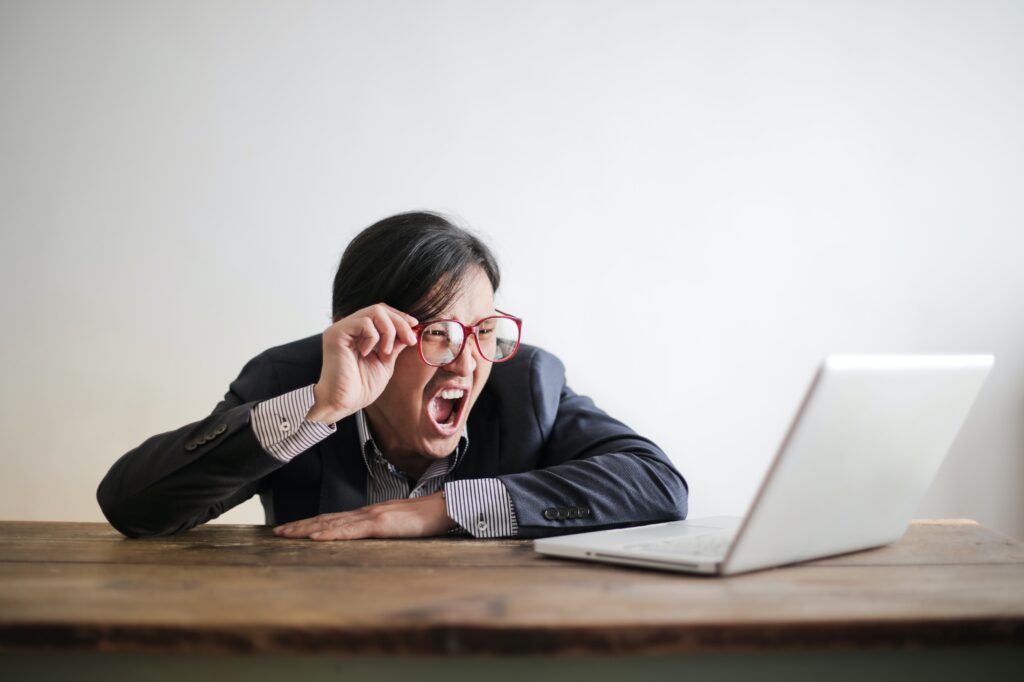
x=359 y=353
x=409 y=518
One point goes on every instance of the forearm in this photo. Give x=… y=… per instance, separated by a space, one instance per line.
x=599 y=492
x=183 y=478
x=179 y=479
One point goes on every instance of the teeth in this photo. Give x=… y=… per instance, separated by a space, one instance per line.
x=453 y=394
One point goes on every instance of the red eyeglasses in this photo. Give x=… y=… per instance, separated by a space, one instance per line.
x=441 y=342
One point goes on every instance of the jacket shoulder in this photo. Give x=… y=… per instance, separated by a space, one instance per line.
x=278 y=370
x=305 y=352
x=297 y=363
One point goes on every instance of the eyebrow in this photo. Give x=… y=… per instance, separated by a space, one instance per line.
x=476 y=319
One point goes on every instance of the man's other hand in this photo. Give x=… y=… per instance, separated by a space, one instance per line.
x=409 y=518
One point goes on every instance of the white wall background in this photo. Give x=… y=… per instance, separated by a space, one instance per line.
x=751 y=185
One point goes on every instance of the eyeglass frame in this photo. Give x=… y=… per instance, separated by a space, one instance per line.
x=467 y=331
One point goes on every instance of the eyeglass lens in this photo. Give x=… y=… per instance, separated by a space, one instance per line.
x=442 y=341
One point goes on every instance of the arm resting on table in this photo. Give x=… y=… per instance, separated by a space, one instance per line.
x=596 y=473
x=180 y=479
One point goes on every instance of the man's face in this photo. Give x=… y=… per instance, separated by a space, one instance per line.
x=411 y=421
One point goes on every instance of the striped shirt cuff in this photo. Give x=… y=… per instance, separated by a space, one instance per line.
x=281 y=426
x=481 y=506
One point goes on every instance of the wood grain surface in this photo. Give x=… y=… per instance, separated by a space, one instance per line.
x=239 y=589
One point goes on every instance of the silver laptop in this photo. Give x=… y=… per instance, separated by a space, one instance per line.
x=855 y=464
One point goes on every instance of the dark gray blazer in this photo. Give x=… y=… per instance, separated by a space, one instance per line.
x=567 y=465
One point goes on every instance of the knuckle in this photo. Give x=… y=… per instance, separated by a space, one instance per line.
x=338 y=533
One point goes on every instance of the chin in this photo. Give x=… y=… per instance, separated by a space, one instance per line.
x=438 y=448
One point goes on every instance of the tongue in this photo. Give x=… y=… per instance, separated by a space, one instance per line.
x=441 y=409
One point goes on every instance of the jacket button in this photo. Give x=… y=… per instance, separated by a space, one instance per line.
x=191 y=445
x=550 y=513
x=563 y=514
x=574 y=512
x=221 y=429
x=584 y=512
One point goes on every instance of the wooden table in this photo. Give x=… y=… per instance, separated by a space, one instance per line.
x=81 y=589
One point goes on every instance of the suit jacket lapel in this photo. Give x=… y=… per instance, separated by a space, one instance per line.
x=483 y=457
x=343 y=483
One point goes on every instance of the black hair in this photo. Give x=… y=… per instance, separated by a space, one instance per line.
x=415 y=262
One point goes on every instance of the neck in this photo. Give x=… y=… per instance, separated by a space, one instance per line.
x=412 y=466
x=409 y=462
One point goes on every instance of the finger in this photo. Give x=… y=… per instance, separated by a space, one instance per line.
x=352 y=530
x=304 y=531
x=403 y=328
x=386 y=328
x=315 y=523
x=282 y=528
x=404 y=323
x=408 y=319
x=395 y=313
x=298 y=530
x=389 y=360
x=368 y=336
x=303 y=527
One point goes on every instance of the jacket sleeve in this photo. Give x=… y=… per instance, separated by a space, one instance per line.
x=595 y=473
x=177 y=480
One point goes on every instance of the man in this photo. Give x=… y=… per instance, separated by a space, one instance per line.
x=416 y=413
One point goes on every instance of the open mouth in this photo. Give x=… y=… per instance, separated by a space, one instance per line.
x=445 y=409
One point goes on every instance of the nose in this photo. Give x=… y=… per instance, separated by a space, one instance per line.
x=465 y=364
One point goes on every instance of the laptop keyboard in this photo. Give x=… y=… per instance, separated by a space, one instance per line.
x=706 y=544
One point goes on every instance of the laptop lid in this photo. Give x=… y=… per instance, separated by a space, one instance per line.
x=859 y=456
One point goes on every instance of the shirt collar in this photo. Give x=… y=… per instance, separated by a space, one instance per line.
x=373 y=452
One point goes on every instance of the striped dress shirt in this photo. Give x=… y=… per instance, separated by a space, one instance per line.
x=481 y=507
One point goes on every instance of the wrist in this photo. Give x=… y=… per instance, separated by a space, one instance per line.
x=320 y=415
x=452 y=523
x=320 y=412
